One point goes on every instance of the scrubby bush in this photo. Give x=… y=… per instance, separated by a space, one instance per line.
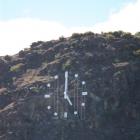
x=58 y=55
x=17 y=68
x=67 y=65
x=137 y=34
x=109 y=36
x=21 y=53
x=8 y=58
x=118 y=34
x=35 y=90
x=76 y=35
x=35 y=44
x=127 y=35
x=88 y=33
x=34 y=59
x=137 y=52
x=61 y=38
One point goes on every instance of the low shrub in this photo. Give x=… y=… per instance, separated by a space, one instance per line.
x=17 y=68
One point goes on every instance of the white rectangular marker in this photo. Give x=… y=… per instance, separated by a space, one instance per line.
x=65 y=115
x=84 y=93
x=47 y=96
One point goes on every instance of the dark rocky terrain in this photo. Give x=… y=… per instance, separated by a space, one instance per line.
x=109 y=62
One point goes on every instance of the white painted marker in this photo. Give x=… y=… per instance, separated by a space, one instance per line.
x=47 y=96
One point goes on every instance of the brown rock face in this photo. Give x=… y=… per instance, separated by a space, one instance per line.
x=4 y=73
x=3 y=67
x=110 y=65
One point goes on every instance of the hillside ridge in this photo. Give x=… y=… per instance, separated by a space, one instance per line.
x=110 y=65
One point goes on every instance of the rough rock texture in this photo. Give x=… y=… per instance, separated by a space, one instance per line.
x=110 y=63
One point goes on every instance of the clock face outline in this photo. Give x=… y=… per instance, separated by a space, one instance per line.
x=67 y=102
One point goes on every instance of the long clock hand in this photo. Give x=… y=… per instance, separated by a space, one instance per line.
x=66 y=85
x=66 y=89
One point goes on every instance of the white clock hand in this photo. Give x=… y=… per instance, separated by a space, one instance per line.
x=68 y=99
x=66 y=89
x=65 y=95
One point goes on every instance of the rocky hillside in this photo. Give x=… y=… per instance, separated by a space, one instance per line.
x=108 y=62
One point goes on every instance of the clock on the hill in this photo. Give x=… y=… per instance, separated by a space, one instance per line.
x=67 y=101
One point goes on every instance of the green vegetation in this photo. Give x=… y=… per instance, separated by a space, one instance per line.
x=127 y=35
x=109 y=36
x=88 y=33
x=117 y=73
x=67 y=65
x=76 y=35
x=137 y=52
x=137 y=34
x=116 y=60
x=35 y=89
x=21 y=53
x=8 y=58
x=35 y=44
x=17 y=67
x=57 y=55
x=61 y=38
x=118 y=34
